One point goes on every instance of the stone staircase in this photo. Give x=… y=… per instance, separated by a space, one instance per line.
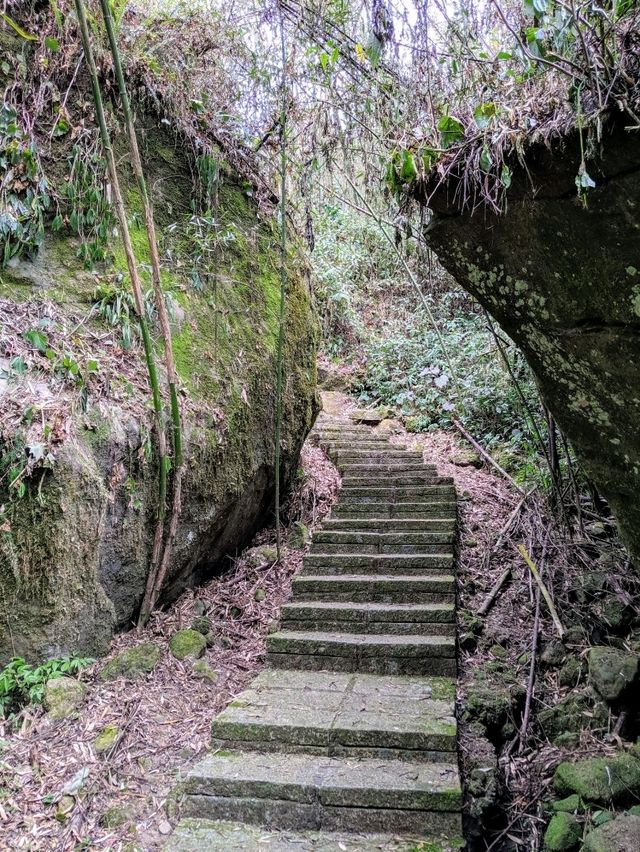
x=347 y=741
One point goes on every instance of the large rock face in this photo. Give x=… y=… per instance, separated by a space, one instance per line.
x=75 y=546
x=563 y=279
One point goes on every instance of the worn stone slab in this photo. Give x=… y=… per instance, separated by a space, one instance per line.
x=361 y=588
x=370 y=617
x=380 y=509
x=426 y=665
x=394 y=480
x=401 y=494
x=327 y=781
x=389 y=524
x=363 y=712
x=383 y=538
x=196 y=835
x=300 y=815
x=377 y=562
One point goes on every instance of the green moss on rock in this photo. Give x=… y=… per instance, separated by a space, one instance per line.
x=601 y=780
x=563 y=833
x=133 y=663
x=622 y=834
x=611 y=671
x=63 y=696
x=187 y=644
x=106 y=738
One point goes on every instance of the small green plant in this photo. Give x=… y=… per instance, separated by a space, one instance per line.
x=90 y=216
x=23 y=190
x=115 y=305
x=22 y=684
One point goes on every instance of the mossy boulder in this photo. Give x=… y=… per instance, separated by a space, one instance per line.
x=562 y=279
x=106 y=738
x=612 y=672
x=117 y=816
x=569 y=805
x=187 y=644
x=570 y=715
x=601 y=780
x=74 y=565
x=563 y=833
x=299 y=535
x=570 y=673
x=133 y=663
x=622 y=834
x=63 y=696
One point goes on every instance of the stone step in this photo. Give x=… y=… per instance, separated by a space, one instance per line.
x=391 y=455
x=346 y=445
x=437 y=619
x=385 y=654
x=376 y=563
x=389 y=524
x=394 y=467
x=201 y=835
x=401 y=494
x=362 y=588
x=392 y=480
x=338 y=714
x=302 y=791
x=425 y=508
x=381 y=539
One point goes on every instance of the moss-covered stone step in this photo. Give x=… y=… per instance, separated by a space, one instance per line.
x=397 y=481
x=330 y=713
x=372 y=457
x=437 y=619
x=345 y=548
x=376 y=563
x=392 y=494
x=380 y=538
x=389 y=524
x=301 y=791
x=361 y=652
x=379 y=509
x=362 y=588
x=198 y=835
x=373 y=469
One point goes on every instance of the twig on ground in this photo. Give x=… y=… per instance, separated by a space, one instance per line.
x=545 y=592
x=485 y=455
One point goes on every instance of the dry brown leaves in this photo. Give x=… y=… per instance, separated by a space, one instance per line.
x=163 y=720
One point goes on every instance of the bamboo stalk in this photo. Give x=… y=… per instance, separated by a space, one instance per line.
x=283 y=281
x=133 y=276
x=545 y=592
x=152 y=591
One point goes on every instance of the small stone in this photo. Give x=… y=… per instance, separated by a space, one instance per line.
x=465 y=458
x=164 y=827
x=133 y=663
x=274 y=627
x=118 y=815
x=568 y=806
x=106 y=738
x=266 y=554
x=64 y=808
x=612 y=672
x=186 y=644
x=563 y=833
x=202 y=670
x=622 y=834
x=498 y=651
x=470 y=542
x=617 y=614
x=211 y=640
x=298 y=535
x=259 y=595
x=202 y=624
x=199 y=607
x=574 y=636
x=553 y=654
x=569 y=674
x=63 y=696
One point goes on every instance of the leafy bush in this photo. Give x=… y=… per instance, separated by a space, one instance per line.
x=409 y=372
x=22 y=684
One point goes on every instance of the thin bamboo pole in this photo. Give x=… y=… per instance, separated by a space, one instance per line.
x=133 y=275
x=283 y=279
x=155 y=579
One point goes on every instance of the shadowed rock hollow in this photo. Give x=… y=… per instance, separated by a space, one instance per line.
x=562 y=278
